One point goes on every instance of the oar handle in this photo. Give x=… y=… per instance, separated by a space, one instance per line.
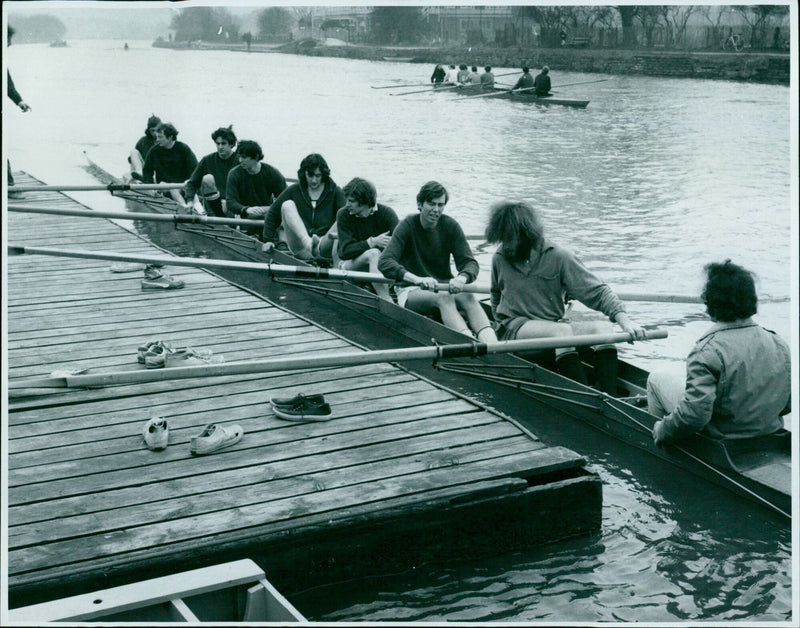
x=111 y=187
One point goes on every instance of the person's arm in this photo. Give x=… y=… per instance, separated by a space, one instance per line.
x=15 y=96
x=496 y=289
x=272 y=220
x=466 y=264
x=191 y=161
x=233 y=192
x=196 y=178
x=696 y=408
x=349 y=246
x=149 y=168
x=389 y=262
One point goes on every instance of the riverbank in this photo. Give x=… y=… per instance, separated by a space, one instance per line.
x=752 y=67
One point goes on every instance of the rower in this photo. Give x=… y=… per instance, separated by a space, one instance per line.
x=253 y=185
x=524 y=81
x=210 y=177
x=365 y=228
x=419 y=254
x=474 y=78
x=541 y=83
x=169 y=161
x=487 y=78
x=307 y=212
x=143 y=146
x=531 y=277
x=462 y=77
x=737 y=381
x=437 y=78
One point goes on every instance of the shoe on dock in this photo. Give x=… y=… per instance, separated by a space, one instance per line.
x=215 y=437
x=165 y=282
x=155 y=356
x=314 y=400
x=303 y=411
x=156 y=433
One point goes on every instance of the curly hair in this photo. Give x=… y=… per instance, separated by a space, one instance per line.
x=309 y=164
x=516 y=226
x=730 y=292
x=168 y=129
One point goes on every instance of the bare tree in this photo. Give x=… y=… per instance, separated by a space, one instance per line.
x=678 y=18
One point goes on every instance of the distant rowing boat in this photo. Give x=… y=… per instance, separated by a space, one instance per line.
x=232 y=592
x=518 y=96
x=399 y=59
x=758 y=469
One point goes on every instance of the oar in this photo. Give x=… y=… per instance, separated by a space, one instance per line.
x=398 y=85
x=419 y=91
x=283 y=270
x=582 y=83
x=111 y=187
x=498 y=92
x=176 y=218
x=350 y=358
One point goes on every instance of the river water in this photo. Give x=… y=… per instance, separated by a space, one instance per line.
x=654 y=179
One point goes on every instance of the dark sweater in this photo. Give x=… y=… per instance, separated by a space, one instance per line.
x=354 y=231
x=214 y=165
x=171 y=165
x=13 y=94
x=245 y=190
x=317 y=219
x=426 y=253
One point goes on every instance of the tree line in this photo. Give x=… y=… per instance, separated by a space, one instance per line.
x=623 y=26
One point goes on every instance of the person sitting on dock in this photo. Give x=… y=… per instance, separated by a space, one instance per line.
x=143 y=146
x=438 y=75
x=738 y=375
x=253 y=185
x=419 y=254
x=525 y=81
x=210 y=178
x=531 y=278
x=307 y=211
x=541 y=83
x=487 y=78
x=170 y=161
x=365 y=228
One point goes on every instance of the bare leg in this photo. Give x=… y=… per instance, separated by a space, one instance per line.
x=478 y=320
x=300 y=243
x=423 y=300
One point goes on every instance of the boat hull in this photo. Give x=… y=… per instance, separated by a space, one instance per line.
x=623 y=417
x=524 y=97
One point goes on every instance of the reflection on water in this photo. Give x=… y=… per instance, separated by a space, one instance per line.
x=654 y=179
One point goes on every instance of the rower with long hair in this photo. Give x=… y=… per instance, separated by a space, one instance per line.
x=531 y=280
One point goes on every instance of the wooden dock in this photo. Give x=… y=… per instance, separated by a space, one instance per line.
x=405 y=471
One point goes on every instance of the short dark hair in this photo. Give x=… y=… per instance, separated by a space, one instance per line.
x=525 y=68
x=517 y=227
x=430 y=191
x=474 y=68
x=310 y=163
x=227 y=134
x=362 y=191
x=168 y=129
x=730 y=292
x=488 y=68
x=249 y=148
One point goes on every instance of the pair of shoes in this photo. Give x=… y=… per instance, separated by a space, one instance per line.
x=155 y=347
x=302 y=408
x=164 y=282
x=156 y=433
x=215 y=437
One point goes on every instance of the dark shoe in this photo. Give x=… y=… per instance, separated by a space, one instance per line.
x=314 y=400
x=136 y=176
x=605 y=369
x=303 y=411
x=569 y=365
x=215 y=437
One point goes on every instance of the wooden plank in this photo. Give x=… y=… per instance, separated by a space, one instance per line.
x=201 y=527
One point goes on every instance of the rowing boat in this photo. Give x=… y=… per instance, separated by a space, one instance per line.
x=517 y=96
x=758 y=469
x=237 y=591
